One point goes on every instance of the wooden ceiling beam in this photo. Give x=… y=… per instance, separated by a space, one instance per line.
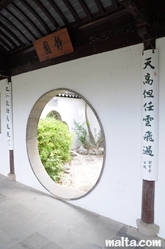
x=83 y=50
x=4 y=65
x=120 y=14
x=79 y=37
x=108 y=28
x=100 y=7
x=115 y=4
x=145 y=20
x=85 y=8
x=134 y=9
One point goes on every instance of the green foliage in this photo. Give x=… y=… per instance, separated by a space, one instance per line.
x=84 y=138
x=54 y=143
x=81 y=132
x=53 y=114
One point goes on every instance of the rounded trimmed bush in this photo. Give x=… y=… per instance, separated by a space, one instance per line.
x=54 y=144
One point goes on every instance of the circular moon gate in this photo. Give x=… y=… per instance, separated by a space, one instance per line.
x=55 y=189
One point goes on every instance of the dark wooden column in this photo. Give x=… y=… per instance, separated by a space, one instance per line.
x=148 y=196
x=11 y=157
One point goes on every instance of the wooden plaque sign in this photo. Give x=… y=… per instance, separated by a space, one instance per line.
x=53 y=45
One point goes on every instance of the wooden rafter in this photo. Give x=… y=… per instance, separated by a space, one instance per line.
x=25 y=28
x=5 y=44
x=12 y=34
x=6 y=36
x=26 y=18
x=14 y=27
x=31 y=10
x=70 y=8
x=128 y=22
x=41 y=6
x=85 y=8
x=55 y=7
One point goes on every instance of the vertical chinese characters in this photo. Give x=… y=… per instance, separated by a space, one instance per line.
x=149 y=118
x=46 y=47
x=58 y=42
x=8 y=116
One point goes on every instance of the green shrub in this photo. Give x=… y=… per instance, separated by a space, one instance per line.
x=53 y=114
x=81 y=132
x=83 y=137
x=54 y=143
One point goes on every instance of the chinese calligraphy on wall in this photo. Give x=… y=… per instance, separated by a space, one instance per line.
x=9 y=129
x=149 y=114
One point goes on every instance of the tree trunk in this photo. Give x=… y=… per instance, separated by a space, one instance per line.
x=91 y=137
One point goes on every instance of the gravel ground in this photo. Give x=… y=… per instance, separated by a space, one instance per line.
x=85 y=170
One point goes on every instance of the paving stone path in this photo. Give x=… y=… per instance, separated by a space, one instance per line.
x=30 y=219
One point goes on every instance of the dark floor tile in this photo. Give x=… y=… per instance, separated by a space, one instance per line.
x=36 y=241
x=122 y=232
x=51 y=245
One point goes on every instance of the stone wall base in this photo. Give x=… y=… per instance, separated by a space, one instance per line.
x=12 y=177
x=150 y=230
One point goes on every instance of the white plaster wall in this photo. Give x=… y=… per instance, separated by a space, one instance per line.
x=4 y=153
x=115 y=79
x=118 y=195
x=160 y=183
